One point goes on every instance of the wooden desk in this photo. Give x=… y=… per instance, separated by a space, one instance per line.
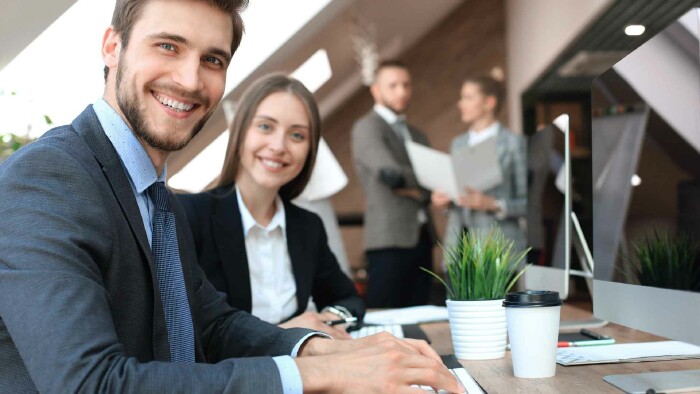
x=496 y=376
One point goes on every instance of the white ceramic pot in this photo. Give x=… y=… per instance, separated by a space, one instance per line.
x=478 y=329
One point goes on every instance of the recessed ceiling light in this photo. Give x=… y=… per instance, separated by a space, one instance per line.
x=634 y=30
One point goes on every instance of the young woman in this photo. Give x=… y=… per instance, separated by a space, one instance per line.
x=268 y=255
x=503 y=205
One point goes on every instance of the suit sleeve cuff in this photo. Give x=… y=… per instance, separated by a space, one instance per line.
x=502 y=212
x=289 y=374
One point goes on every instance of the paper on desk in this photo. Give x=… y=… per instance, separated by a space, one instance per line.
x=463 y=376
x=410 y=315
x=433 y=169
x=627 y=352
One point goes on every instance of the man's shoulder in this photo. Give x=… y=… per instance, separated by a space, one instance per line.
x=56 y=145
x=369 y=119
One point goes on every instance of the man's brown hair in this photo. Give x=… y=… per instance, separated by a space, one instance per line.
x=389 y=64
x=127 y=13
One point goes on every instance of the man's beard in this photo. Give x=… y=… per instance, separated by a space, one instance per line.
x=393 y=108
x=135 y=111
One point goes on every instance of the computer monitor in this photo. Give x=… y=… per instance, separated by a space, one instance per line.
x=553 y=226
x=646 y=182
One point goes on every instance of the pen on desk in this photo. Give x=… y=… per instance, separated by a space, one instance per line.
x=592 y=334
x=340 y=321
x=597 y=342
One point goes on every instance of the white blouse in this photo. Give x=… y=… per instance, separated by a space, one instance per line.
x=272 y=286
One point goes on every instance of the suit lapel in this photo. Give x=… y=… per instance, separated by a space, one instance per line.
x=230 y=246
x=300 y=265
x=394 y=142
x=89 y=128
x=502 y=146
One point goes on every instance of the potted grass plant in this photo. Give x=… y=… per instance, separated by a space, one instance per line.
x=667 y=262
x=481 y=267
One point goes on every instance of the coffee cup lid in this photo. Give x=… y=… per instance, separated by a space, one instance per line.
x=532 y=298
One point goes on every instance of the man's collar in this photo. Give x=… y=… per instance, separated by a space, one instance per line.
x=387 y=114
x=138 y=164
x=278 y=220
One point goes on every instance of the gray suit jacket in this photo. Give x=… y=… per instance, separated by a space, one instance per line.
x=391 y=221
x=80 y=309
x=512 y=157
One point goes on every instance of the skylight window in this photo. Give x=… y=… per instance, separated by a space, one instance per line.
x=315 y=71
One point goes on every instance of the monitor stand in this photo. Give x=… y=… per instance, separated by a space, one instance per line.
x=576 y=325
x=658 y=382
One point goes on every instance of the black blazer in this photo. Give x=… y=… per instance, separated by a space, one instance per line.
x=80 y=309
x=215 y=219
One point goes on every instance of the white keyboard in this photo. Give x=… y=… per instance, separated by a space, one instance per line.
x=463 y=376
x=394 y=329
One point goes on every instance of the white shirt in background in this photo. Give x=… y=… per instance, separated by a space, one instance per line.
x=272 y=285
x=477 y=137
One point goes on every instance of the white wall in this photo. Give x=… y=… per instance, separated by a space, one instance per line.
x=673 y=94
x=536 y=32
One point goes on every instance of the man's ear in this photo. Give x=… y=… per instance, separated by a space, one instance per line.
x=111 y=47
x=374 y=91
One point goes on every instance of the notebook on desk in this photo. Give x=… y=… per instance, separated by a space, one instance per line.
x=627 y=353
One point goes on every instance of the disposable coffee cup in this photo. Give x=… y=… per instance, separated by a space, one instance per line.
x=532 y=318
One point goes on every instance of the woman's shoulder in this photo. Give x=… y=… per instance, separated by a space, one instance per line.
x=513 y=138
x=205 y=200
x=300 y=214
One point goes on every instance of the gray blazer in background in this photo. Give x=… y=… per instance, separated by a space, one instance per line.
x=80 y=308
x=512 y=157
x=391 y=221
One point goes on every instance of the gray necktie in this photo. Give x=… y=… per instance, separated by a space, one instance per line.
x=401 y=128
x=171 y=281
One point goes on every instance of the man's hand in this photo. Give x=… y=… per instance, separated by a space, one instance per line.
x=478 y=201
x=413 y=193
x=379 y=363
x=315 y=321
x=440 y=199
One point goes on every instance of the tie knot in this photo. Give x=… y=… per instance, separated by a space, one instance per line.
x=159 y=196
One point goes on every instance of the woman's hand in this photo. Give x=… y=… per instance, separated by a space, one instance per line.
x=440 y=199
x=315 y=321
x=478 y=201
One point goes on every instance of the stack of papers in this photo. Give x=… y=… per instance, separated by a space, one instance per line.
x=627 y=352
x=410 y=315
x=475 y=167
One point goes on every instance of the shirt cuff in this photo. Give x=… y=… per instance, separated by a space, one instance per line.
x=289 y=374
x=502 y=212
x=295 y=351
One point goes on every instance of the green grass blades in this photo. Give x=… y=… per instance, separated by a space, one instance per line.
x=664 y=261
x=481 y=266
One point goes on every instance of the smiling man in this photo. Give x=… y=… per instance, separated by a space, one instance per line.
x=99 y=286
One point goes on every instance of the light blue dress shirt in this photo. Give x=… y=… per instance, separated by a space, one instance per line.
x=142 y=174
